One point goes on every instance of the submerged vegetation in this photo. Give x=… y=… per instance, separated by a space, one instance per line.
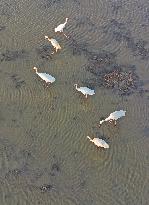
x=121 y=33
x=12 y=55
x=44 y=52
x=107 y=73
x=42 y=147
x=18 y=82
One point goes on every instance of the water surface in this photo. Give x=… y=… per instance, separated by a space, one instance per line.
x=45 y=157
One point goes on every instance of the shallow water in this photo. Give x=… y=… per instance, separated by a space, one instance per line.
x=45 y=157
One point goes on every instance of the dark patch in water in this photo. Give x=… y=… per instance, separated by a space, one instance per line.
x=86 y=22
x=17 y=81
x=144 y=8
x=49 y=3
x=146 y=131
x=120 y=33
x=121 y=78
x=2 y=28
x=117 y=29
x=15 y=160
x=44 y=52
x=138 y=48
x=55 y=169
x=10 y=55
x=82 y=184
x=46 y=187
x=13 y=173
x=77 y=49
x=77 y=2
x=116 y=6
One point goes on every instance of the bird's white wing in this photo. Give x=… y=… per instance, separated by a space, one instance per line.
x=50 y=77
x=103 y=143
x=117 y=114
x=87 y=90
x=54 y=42
x=61 y=26
x=47 y=77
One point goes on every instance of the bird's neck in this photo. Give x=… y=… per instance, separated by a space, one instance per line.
x=35 y=70
x=49 y=39
x=89 y=138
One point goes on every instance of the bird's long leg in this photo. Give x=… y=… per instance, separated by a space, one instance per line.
x=44 y=83
x=114 y=122
x=47 y=84
x=65 y=35
x=111 y=121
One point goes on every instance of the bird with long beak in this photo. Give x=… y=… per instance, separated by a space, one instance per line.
x=85 y=90
x=113 y=117
x=99 y=142
x=45 y=76
x=61 y=27
x=54 y=43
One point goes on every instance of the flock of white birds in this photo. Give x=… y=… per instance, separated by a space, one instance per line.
x=113 y=117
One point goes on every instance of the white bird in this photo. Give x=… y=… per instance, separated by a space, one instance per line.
x=45 y=76
x=61 y=26
x=54 y=43
x=114 y=116
x=85 y=90
x=99 y=142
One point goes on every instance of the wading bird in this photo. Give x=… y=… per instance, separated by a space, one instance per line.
x=85 y=90
x=114 y=116
x=61 y=26
x=54 y=43
x=99 y=142
x=45 y=76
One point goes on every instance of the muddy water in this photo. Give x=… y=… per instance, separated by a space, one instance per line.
x=45 y=157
